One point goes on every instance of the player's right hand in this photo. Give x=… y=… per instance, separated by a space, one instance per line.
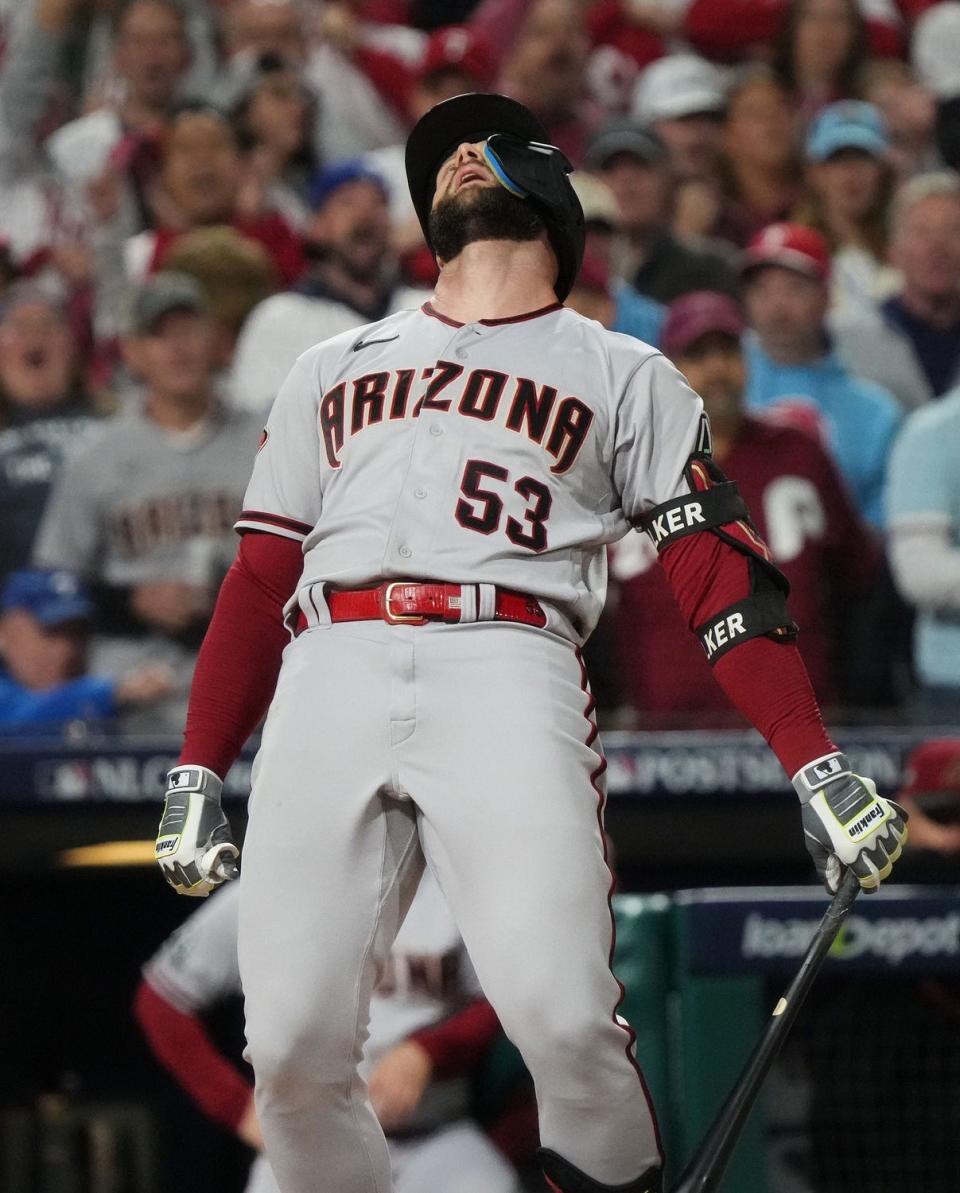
x=847 y=824
x=194 y=848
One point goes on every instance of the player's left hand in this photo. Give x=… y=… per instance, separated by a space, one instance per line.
x=847 y=824
x=194 y=847
x=397 y=1083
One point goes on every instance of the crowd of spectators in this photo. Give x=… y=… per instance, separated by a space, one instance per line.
x=192 y=192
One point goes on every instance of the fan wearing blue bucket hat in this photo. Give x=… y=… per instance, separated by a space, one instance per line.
x=849 y=186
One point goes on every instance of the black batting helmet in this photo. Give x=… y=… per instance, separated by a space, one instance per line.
x=518 y=154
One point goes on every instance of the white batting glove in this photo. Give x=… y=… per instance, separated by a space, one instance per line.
x=847 y=824
x=194 y=847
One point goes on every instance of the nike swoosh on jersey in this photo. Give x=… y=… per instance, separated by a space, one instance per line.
x=375 y=340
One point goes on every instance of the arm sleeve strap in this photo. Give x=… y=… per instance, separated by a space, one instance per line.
x=765 y=677
x=714 y=506
x=762 y=613
x=693 y=513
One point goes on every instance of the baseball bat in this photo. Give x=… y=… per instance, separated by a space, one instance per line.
x=703 y=1173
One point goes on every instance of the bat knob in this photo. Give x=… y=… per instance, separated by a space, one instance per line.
x=227 y=869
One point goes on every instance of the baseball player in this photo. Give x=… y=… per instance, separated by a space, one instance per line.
x=426 y=520
x=416 y=1071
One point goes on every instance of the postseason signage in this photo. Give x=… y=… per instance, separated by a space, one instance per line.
x=666 y=765
x=754 y=930
x=108 y=771
x=708 y=764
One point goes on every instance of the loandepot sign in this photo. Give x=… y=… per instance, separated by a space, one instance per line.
x=889 y=940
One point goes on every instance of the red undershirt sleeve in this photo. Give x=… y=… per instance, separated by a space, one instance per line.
x=456 y=1045
x=765 y=679
x=181 y=1044
x=239 y=660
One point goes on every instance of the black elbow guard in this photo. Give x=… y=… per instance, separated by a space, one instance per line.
x=763 y=613
x=714 y=505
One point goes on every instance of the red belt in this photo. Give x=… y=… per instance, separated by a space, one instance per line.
x=406 y=602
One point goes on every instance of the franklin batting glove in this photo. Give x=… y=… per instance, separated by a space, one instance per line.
x=194 y=847
x=847 y=824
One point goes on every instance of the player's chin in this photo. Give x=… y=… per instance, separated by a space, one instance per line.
x=464 y=197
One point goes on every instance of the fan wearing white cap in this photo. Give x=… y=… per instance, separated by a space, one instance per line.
x=682 y=97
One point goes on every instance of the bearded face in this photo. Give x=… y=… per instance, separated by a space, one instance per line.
x=481 y=213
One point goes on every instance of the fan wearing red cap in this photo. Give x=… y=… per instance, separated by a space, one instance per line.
x=931 y=794
x=792 y=364
x=792 y=247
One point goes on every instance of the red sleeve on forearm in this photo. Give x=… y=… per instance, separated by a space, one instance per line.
x=182 y=1046
x=456 y=1044
x=240 y=658
x=765 y=680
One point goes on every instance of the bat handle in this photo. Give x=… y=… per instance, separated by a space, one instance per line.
x=847 y=891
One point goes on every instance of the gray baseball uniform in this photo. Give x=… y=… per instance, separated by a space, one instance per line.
x=499 y=453
x=427 y=978
x=138 y=504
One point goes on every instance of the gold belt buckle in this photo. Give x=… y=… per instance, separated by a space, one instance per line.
x=392 y=618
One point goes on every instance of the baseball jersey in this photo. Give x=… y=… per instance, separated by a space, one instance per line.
x=427 y=978
x=141 y=504
x=816 y=538
x=500 y=452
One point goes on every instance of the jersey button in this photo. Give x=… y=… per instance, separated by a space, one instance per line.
x=420 y=492
x=405 y=551
x=436 y=429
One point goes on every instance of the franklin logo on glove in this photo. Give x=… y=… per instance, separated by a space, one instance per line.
x=847 y=824
x=856 y=830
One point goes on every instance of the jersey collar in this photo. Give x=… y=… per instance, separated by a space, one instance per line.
x=429 y=309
